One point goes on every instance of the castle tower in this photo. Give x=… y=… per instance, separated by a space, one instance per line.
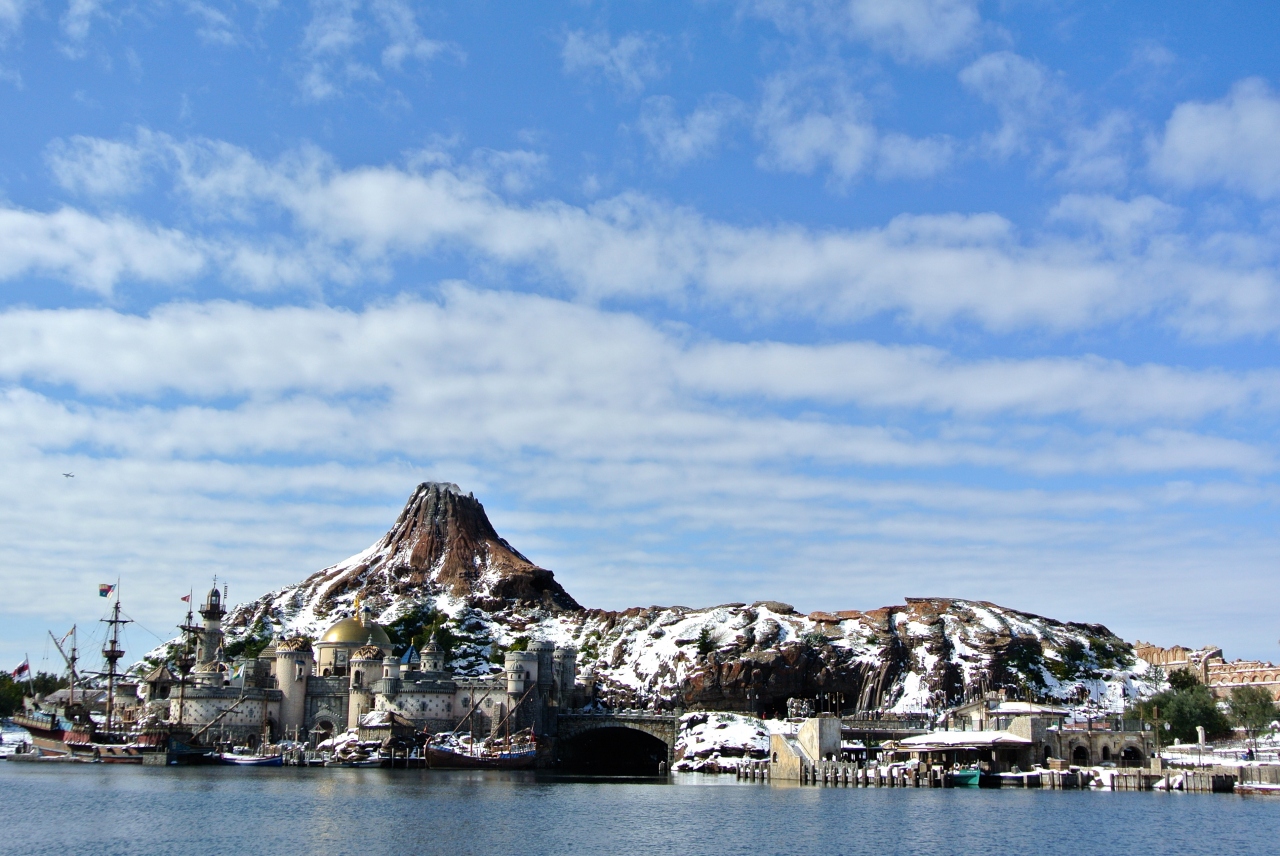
x=521 y=668
x=366 y=667
x=522 y=672
x=294 y=663
x=432 y=656
x=566 y=675
x=545 y=652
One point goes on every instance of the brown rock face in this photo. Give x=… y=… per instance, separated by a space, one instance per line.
x=444 y=538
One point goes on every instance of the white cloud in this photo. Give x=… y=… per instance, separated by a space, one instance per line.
x=629 y=63
x=901 y=156
x=573 y=357
x=338 y=29
x=98 y=167
x=1097 y=156
x=801 y=133
x=93 y=252
x=928 y=270
x=808 y=124
x=1024 y=93
x=1123 y=224
x=78 y=18
x=926 y=31
x=404 y=35
x=1230 y=142
x=215 y=26
x=677 y=140
x=11 y=14
x=923 y=378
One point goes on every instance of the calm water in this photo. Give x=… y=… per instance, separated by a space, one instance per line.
x=51 y=808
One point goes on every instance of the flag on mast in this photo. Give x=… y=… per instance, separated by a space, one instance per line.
x=105 y=589
x=186 y=598
x=23 y=668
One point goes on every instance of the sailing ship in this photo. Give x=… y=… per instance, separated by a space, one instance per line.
x=68 y=731
x=518 y=751
x=483 y=755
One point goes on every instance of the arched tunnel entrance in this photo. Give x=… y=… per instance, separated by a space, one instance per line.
x=612 y=751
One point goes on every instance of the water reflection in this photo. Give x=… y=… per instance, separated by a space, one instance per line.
x=72 y=808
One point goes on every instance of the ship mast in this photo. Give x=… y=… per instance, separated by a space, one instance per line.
x=112 y=652
x=185 y=659
x=70 y=661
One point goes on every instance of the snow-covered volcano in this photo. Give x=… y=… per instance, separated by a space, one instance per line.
x=443 y=556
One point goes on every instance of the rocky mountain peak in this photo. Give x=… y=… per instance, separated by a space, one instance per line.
x=441 y=543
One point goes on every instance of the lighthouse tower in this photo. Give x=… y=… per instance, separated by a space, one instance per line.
x=211 y=636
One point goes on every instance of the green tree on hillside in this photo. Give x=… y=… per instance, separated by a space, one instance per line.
x=1253 y=709
x=1187 y=705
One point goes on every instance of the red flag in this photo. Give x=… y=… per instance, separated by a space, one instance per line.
x=23 y=668
x=186 y=598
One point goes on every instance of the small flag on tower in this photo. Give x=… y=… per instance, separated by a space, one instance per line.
x=186 y=598
x=105 y=589
x=23 y=668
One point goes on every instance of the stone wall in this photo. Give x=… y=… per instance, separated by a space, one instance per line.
x=1224 y=677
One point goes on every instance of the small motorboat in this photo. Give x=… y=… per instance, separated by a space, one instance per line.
x=965 y=778
x=238 y=760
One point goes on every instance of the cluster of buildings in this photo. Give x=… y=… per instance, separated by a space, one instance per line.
x=299 y=690
x=993 y=732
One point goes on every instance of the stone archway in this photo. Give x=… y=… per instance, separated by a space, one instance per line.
x=615 y=750
x=641 y=742
x=1080 y=756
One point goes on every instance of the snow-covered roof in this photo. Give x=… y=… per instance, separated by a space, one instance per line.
x=1024 y=708
x=963 y=739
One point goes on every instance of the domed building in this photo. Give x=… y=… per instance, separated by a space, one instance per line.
x=340 y=642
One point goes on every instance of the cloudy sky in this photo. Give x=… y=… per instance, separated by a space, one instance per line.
x=828 y=301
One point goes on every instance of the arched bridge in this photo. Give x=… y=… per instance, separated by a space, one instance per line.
x=616 y=742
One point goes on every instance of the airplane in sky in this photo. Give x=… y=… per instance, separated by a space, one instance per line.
x=68 y=475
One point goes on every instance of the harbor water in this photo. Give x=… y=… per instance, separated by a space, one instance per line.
x=115 y=811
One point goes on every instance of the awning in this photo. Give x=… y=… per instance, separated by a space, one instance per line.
x=940 y=741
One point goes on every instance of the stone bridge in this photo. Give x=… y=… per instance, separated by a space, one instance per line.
x=632 y=742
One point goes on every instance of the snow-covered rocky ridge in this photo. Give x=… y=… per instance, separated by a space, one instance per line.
x=720 y=742
x=443 y=554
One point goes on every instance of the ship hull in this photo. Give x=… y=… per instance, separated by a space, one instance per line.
x=251 y=760
x=444 y=759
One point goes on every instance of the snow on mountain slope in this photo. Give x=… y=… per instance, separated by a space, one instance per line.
x=443 y=554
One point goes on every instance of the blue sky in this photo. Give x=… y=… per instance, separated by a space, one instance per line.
x=829 y=302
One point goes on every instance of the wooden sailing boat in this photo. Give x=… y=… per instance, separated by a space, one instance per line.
x=447 y=752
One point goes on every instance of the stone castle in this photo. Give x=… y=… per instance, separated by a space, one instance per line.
x=298 y=690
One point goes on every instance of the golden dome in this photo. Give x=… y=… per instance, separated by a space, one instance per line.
x=351 y=632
